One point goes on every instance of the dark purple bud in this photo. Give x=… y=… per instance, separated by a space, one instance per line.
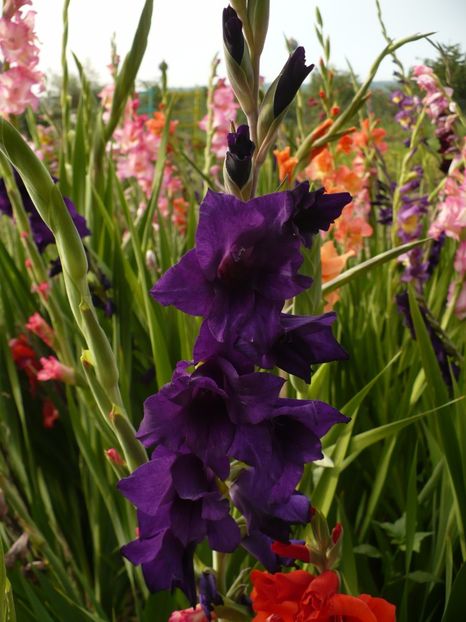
x=292 y=76
x=239 y=156
x=233 y=34
x=208 y=594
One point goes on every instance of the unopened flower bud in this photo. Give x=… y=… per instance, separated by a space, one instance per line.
x=114 y=456
x=208 y=594
x=18 y=550
x=151 y=260
x=237 y=60
x=238 y=162
x=279 y=96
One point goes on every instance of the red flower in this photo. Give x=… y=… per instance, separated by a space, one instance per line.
x=25 y=359
x=278 y=594
x=301 y=597
x=49 y=414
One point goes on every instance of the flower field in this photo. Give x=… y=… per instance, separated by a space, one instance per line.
x=232 y=336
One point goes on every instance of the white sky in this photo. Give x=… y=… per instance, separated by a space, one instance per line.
x=187 y=33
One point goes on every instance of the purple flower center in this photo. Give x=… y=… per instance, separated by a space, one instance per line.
x=235 y=267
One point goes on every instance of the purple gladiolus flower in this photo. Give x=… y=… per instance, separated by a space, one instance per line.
x=300 y=342
x=238 y=160
x=243 y=268
x=292 y=76
x=280 y=446
x=203 y=411
x=40 y=232
x=272 y=519
x=166 y=564
x=178 y=505
x=315 y=211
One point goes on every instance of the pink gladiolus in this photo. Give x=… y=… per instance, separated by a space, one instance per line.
x=21 y=84
x=52 y=369
x=43 y=289
x=16 y=40
x=188 y=615
x=12 y=6
x=225 y=108
x=17 y=89
x=460 y=259
x=460 y=306
x=37 y=325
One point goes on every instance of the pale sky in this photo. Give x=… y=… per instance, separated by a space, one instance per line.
x=187 y=33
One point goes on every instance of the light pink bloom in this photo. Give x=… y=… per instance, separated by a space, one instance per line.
x=19 y=88
x=419 y=70
x=460 y=259
x=37 y=325
x=188 y=615
x=52 y=369
x=11 y=6
x=460 y=306
x=451 y=216
x=17 y=40
x=225 y=109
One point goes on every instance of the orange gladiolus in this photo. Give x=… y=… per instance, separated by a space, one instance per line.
x=369 y=135
x=332 y=265
x=286 y=163
x=157 y=124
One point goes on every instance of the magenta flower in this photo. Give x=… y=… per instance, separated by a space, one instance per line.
x=243 y=268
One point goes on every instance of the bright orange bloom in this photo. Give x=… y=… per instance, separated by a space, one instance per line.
x=180 y=214
x=321 y=166
x=157 y=124
x=286 y=163
x=345 y=143
x=332 y=265
x=369 y=135
x=301 y=597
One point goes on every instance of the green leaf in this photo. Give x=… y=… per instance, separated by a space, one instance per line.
x=127 y=75
x=454 y=611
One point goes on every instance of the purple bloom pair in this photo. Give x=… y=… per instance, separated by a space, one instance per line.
x=40 y=232
x=179 y=504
